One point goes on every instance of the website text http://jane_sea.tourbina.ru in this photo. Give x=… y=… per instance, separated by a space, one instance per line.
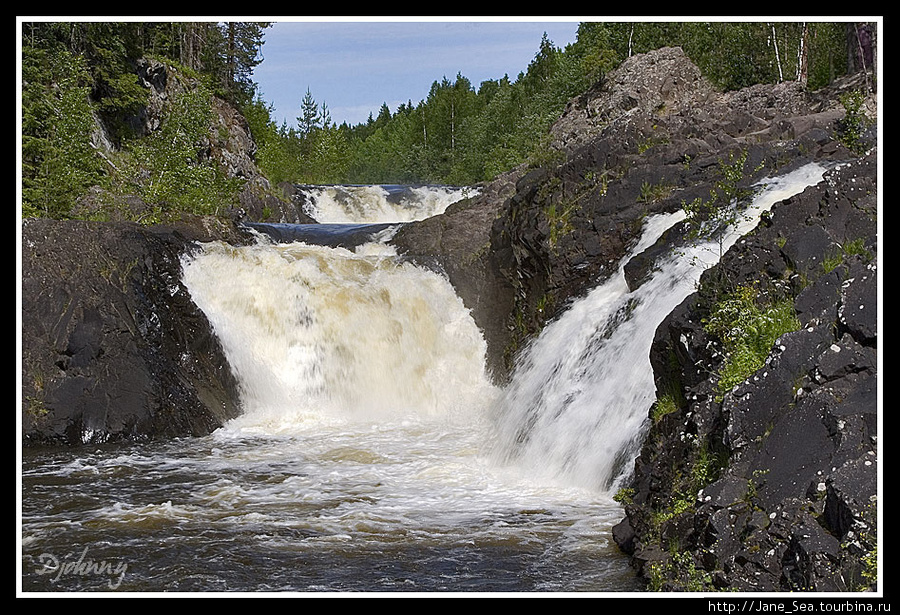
x=799 y=606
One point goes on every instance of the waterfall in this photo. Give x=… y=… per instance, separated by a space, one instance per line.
x=320 y=334
x=315 y=333
x=579 y=398
x=378 y=204
x=373 y=453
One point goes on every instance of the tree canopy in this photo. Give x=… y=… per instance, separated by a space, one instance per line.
x=459 y=133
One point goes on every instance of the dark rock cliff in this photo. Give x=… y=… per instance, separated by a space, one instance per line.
x=652 y=136
x=786 y=461
x=113 y=348
x=773 y=485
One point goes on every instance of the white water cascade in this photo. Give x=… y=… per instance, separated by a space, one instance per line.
x=321 y=335
x=580 y=396
x=379 y=204
x=329 y=334
x=366 y=415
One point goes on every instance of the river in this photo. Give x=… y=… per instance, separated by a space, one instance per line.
x=373 y=453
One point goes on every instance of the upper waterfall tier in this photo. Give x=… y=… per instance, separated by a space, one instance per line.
x=349 y=204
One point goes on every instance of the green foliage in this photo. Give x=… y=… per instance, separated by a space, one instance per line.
x=747 y=332
x=80 y=73
x=678 y=573
x=169 y=170
x=593 y=52
x=856 y=247
x=869 y=536
x=708 y=219
x=623 y=496
x=681 y=503
x=850 y=249
x=328 y=155
x=230 y=55
x=870 y=566
x=851 y=127
x=734 y=55
x=666 y=404
x=652 y=193
x=706 y=468
x=58 y=161
x=558 y=215
x=458 y=134
x=310 y=117
x=708 y=216
x=701 y=467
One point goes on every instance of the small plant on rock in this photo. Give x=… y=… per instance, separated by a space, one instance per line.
x=747 y=332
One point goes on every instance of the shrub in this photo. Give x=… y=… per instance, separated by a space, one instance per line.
x=170 y=169
x=851 y=127
x=747 y=332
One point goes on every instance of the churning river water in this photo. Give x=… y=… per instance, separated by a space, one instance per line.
x=373 y=453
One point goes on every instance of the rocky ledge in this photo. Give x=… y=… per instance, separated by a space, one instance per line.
x=113 y=348
x=771 y=486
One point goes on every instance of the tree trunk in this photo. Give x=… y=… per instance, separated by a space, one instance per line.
x=803 y=55
x=777 y=55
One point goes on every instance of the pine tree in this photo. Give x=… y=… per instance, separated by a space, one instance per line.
x=309 y=118
x=241 y=54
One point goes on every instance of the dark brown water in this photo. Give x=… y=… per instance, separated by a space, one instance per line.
x=296 y=514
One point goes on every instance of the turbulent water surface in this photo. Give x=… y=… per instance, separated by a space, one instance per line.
x=379 y=204
x=373 y=453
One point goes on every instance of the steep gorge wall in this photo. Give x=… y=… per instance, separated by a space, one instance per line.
x=772 y=486
x=786 y=462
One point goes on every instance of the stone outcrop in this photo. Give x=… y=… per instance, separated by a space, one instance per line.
x=113 y=348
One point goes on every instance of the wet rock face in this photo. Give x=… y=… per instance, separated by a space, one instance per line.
x=789 y=502
x=113 y=347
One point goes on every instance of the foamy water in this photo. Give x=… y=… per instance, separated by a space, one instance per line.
x=379 y=204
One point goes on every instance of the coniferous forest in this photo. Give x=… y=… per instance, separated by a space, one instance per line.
x=461 y=133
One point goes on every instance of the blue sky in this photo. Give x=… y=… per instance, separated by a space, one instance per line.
x=354 y=66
